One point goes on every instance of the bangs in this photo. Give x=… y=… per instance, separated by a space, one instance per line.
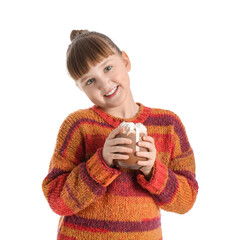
x=89 y=51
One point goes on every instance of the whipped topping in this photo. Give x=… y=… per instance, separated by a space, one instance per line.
x=128 y=126
x=141 y=127
x=131 y=127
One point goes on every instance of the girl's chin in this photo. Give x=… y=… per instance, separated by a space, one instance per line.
x=113 y=102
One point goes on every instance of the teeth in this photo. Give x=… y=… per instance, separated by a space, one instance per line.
x=111 y=92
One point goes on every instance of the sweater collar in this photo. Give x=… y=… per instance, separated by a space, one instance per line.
x=140 y=117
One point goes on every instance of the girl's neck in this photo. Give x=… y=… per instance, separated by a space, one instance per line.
x=125 y=113
x=128 y=109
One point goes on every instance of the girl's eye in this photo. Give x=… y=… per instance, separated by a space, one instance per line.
x=108 y=68
x=90 y=81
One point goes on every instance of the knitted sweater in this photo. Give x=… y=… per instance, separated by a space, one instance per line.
x=99 y=202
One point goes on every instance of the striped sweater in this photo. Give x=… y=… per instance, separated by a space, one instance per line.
x=99 y=202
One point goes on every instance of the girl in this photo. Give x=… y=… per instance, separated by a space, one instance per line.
x=95 y=198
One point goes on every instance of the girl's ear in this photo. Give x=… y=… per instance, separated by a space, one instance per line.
x=126 y=61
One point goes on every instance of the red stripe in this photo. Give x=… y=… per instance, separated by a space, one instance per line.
x=127 y=181
x=93 y=142
x=54 y=199
x=168 y=193
x=163 y=142
x=79 y=154
x=74 y=127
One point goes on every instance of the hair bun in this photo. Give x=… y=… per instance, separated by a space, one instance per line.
x=76 y=33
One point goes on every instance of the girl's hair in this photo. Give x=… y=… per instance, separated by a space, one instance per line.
x=87 y=48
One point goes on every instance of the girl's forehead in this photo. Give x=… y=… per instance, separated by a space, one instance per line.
x=105 y=60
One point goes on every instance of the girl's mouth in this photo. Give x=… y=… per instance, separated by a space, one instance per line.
x=112 y=93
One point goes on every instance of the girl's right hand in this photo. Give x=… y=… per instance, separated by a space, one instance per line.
x=111 y=151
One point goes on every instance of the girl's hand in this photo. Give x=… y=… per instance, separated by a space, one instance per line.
x=147 y=166
x=110 y=149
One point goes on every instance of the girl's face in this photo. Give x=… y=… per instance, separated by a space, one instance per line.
x=107 y=84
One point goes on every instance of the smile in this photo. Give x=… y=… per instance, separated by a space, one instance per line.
x=112 y=92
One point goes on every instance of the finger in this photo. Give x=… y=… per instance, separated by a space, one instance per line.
x=120 y=156
x=117 y=141
x=147 y=155
x=120 y=149
x=115 y=132
x=148 y=139
x=144 y=163
x=147 y=145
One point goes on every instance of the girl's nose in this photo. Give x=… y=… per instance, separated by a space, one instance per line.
x=103 y=83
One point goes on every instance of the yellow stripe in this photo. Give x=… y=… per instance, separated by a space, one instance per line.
x=119 y=208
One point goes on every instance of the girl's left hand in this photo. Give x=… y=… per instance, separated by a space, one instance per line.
x=147 y=166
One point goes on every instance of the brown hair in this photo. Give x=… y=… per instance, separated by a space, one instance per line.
x=87 y=48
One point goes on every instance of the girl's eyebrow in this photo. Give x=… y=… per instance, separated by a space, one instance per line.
x=106 y=61
x=83 y=78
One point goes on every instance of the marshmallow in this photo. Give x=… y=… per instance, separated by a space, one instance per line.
x=134 y=132
x=130 y=127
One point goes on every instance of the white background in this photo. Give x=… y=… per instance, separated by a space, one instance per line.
x=182 y=56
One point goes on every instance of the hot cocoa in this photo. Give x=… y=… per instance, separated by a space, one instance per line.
x=135 y=132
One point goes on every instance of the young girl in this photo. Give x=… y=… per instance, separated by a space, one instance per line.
x=95 y=198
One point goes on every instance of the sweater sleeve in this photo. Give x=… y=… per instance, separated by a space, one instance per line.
x=174 y=187
x=72 y=183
